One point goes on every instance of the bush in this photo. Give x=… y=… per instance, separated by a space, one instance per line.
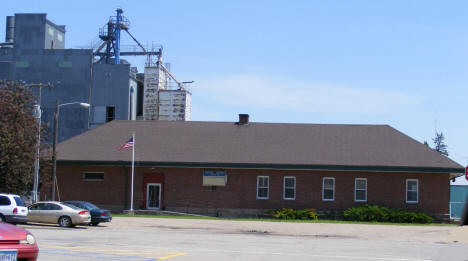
x=331 y=214
x=410 y=217
x=289 y=213
x=367 y=213
x=383 y=214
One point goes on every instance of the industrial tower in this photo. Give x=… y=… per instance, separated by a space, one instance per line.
x=160 y=100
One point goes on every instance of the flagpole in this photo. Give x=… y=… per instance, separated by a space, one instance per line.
x=133 y=172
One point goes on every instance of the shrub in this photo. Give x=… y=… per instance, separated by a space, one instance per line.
x=367 y=213
x=331 y=214
x=383 y=214
x=410 y=217
x=289 y=213
x=284 y=213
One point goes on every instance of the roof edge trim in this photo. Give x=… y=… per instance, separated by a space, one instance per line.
x=262 y=166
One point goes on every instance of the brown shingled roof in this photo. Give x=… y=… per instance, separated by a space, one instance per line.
x=256 y=143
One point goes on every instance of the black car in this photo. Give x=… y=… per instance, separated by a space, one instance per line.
x=97 y=215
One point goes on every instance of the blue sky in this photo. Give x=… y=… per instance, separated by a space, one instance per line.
x=402 y=63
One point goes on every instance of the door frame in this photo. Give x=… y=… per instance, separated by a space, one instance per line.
x=147 y=195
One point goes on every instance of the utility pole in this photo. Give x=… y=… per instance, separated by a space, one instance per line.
x=38 y=114
x=54 y=144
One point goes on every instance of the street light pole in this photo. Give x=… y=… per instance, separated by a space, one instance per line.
x=54 y=144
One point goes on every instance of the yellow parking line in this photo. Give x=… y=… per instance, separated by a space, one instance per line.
x=62 y=247
x=170 y=256
x=144 y=254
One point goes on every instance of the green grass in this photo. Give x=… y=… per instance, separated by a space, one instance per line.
x=281 y=220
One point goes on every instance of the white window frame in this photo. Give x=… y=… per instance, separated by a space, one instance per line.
x=356 y=189
x=323 y=189
x=284 y=187
x=417 y=191
x=267 y=187
x=148 y=185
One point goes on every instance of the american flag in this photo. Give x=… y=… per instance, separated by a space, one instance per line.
x=127 y=144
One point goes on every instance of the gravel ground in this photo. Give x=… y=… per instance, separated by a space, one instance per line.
x=137 y=238
x=428 y=233
x=459 y=234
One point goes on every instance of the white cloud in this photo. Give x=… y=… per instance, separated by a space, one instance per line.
x=286 y=95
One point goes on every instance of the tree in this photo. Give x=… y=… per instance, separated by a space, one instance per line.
x=18 y=137
x=439 y=144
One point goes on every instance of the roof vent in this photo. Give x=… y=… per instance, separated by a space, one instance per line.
x=243 y=119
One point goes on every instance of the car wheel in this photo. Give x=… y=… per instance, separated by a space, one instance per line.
x=94 y=224
x=65 y=222
x=2 y=218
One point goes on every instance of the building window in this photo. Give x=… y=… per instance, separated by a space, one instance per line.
x=65 y=64
x=263 y=187
x=22 y=64
x=110 y=113
x=411 y=191
x=360 y=190
x=328 y=189
x=93 y=176
x=139 y=102
x=289 y=191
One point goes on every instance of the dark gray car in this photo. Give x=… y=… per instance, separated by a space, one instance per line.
x=98 y=215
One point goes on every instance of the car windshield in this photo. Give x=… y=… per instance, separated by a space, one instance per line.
x=19 y=202
x=71 y=206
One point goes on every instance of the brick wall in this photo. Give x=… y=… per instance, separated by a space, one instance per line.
x=112 y=192
x=183 y=190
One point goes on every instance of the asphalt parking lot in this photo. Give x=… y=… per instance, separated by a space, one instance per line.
x=192 y=239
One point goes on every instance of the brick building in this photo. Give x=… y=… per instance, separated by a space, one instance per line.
x=231 y=168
